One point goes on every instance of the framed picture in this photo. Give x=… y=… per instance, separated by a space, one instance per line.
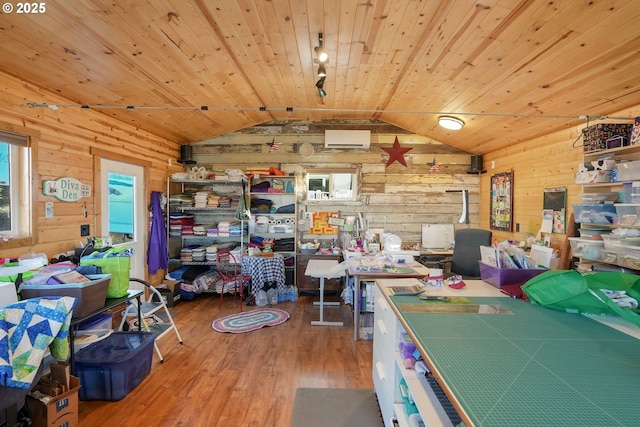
x=501 y=215
x=555 y=200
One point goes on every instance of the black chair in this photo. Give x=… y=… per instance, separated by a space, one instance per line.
x=466 y=253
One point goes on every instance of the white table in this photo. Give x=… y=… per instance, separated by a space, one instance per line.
x=417 y=270
x=320 y=269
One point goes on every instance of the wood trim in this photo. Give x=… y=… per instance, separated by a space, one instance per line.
x=32 y=143
x=99 y=154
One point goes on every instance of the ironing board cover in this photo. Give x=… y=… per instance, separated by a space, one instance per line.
x=27 y=328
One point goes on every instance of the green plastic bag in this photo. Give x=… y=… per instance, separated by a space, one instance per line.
x=116 y=262
x=573 y=292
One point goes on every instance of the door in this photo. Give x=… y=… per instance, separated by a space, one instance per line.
x=124 y=211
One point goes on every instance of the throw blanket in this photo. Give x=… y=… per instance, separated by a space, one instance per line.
x=26 y=329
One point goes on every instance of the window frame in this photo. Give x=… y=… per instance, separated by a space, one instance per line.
x=356 y=179
x=28 y=193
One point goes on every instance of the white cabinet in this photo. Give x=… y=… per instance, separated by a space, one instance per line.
x=202 y=214
x=389 y=370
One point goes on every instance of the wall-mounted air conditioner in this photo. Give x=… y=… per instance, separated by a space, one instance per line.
x=347 y=139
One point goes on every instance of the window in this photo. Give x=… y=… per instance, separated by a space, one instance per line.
x=332 y=184
x=16 y=201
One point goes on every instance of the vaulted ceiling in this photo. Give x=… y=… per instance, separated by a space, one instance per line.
x=191 y=70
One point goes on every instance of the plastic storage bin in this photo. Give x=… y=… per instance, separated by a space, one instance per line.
x=590 y=249
x=602 y=213
x=91 y=296
x=629 y=256
x=593 y=234
x=99 y=321
x=591 y=198
x=629 y=171
x=610 y=241
x=628 y=213
x=406 y=346
x=112 y=367
x=500 y=277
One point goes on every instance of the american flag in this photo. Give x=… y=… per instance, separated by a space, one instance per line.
x=273 y=145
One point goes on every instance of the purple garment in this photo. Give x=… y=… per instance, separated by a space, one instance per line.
x=157 y=253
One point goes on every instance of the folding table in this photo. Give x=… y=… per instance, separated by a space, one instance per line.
x=321 y=269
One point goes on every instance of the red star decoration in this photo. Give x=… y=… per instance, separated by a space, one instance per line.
x=396 y=153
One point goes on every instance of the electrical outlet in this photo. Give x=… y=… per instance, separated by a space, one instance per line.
x=85 y=230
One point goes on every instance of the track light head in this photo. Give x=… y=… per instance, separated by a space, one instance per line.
x=320 y=86
x=321 y=54
x=322 y=72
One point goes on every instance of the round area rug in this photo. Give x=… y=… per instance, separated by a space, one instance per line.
x=248 y=321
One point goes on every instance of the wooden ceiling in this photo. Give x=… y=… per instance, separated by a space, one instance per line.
x=512 y=70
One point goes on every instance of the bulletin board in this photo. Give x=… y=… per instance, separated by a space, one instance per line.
x=555 y=203
x=501 y=216
x=321 y=223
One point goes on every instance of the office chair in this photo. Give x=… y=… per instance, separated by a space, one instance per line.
x=466 y=253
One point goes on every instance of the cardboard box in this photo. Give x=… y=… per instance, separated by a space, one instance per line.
x=61 y=410
x=597 y=165
x=171 y=284
x=171 y=298
x=591 y=177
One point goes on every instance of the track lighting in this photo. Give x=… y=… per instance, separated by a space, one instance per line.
x=450 y=122
x=321 y=71
x=320 y=86
x=321 y=54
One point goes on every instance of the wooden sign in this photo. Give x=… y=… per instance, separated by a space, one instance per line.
x=66 y=189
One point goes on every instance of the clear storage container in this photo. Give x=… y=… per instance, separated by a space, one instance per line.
x=590 y=249
x=597 y=213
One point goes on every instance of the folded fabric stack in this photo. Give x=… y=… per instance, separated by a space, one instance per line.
x=284 y=245
x=212 y=231
x=186 y=254
x=211 y=253
x=235 y=229
x=224 y=202
x=213 y=200
x=200 y=199
x=181 y=200
x=223 y=228
x=200 y=230
x=179 y=223
x=198 y=254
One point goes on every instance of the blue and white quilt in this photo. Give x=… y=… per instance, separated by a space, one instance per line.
x=27 y=328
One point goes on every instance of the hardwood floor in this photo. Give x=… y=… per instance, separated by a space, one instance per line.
x=239 y=380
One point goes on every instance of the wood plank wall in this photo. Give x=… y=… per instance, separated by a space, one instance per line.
x=68 y=137
x=396 y=198
x=545 y=162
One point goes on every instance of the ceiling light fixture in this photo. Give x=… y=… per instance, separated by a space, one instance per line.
x=320 y=86
x=322 y=72
x=322 y=54
x=450 y=122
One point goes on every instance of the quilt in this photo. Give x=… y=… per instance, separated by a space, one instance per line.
x=27 y=328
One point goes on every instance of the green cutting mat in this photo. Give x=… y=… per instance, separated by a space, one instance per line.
x=539 y=367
